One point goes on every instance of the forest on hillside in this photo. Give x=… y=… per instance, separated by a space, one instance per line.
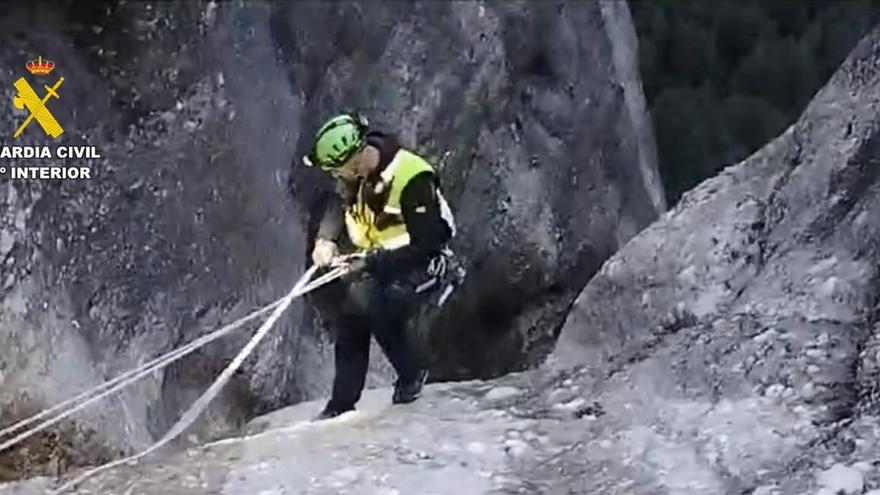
x=724 y=77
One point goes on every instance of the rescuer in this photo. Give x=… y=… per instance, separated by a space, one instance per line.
x=398 y=226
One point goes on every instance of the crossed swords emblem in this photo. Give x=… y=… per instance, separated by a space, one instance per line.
x=27 y=97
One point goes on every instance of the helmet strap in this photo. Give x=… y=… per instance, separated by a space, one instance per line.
x=362 y=123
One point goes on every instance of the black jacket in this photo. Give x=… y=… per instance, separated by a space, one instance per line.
x=420 y=208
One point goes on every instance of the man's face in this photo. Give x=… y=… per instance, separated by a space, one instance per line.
x=350 y=170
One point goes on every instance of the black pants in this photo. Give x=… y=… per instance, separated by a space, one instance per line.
x=356 y=309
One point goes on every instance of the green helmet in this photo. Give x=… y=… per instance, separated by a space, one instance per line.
x=337 y=140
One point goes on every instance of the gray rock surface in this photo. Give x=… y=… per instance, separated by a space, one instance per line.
x=533 y=112
x=741 y=329
x=730 y=348
x=381 y=449
x=535 y=116
x=185 y=226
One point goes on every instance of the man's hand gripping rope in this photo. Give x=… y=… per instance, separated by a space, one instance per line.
x=353 y=262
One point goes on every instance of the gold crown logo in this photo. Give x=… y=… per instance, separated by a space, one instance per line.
x=40 y=67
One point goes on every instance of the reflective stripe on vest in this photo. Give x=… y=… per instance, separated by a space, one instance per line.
x=361 y=228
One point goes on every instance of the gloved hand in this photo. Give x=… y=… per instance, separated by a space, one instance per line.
x=324 y=253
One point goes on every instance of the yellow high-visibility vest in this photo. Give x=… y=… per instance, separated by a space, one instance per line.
x=360 y=220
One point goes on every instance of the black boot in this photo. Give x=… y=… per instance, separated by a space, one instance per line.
x=406 y=392
x=331 y=411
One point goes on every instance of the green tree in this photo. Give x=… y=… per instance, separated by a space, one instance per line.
x=723 y=78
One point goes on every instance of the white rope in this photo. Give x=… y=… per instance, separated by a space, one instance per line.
x=133 y=375
x=125 y=379
x=202 y=402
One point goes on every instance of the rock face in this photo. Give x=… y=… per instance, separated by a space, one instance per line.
x=535 y=116
x=185 y=226
x=731 y=347
x=741 y=330
x=380 y=449
x=193 y=217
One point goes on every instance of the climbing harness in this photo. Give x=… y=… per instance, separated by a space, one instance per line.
x=303 y=286
x=443 y=268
